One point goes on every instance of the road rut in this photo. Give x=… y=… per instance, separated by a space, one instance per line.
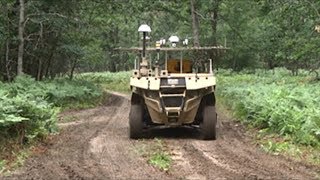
x=96 y=146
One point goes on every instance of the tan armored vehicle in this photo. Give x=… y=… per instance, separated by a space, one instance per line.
x=174 y=93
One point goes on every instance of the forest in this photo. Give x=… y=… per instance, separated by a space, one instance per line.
x=45 y=38
x=57 y=54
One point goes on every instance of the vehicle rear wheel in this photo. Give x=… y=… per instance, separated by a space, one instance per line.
x=209 y=123
x=136 y=121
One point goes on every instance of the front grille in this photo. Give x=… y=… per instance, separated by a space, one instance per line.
x=173 y=90
x=173 y=101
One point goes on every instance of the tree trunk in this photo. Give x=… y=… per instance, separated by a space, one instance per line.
x=7 y=61
x=195 y=24
x=39 y=72
x=74 y=64
x=214 y=20
x=21 y=39
x=49 y=63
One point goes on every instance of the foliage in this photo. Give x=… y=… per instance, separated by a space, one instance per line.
x=160 y=160
x=277 y=103
x=65 y=37
x=2 y=166
x=65 y=93
x=156 y=153
x=112 y=81
x=24 y=113
x=159 y=157
x=28 y=108
x=21 y=157
x=280 y=147
x=70 y=37
x=270 y=33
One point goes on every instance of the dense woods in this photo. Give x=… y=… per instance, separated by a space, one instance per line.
x=46 y=38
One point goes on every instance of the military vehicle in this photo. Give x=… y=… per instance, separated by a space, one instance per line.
x=174 y=94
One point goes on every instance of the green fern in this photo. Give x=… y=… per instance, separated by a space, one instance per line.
x=281 y=103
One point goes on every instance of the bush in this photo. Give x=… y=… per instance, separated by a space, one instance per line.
x=28 y=108
x=112 y=81
x=277 y=102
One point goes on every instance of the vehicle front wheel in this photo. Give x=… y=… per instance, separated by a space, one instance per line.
x=136 y=121
x=209 y=123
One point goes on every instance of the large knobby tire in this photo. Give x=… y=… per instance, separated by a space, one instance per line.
x=209 y=123
x=136 y=121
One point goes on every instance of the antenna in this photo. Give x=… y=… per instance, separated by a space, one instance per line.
x=144 y=29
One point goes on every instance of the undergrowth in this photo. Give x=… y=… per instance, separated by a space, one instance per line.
x=276 y=103
x=29 y=108
x=119 y=81
x=156 y=154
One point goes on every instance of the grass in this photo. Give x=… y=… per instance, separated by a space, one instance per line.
x=160 y=160
x=279 y=145
x=20 y=158
x=2 y=166
x=66 y=119
x=16 y=158
x=156 y=154
x=119 y=81
x=89 y=103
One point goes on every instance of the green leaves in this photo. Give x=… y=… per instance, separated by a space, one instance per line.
x=29 y=108
x=112 y=81
x=161 y=160
x=280 y=103
x=2 y=166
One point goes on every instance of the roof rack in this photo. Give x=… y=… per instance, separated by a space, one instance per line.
x=175 y=49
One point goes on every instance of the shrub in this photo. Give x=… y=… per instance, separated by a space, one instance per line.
x=112 y=81
x=28 y=108
x=278 y=102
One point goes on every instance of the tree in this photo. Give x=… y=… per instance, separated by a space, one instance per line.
x=195 y=24
x=53 y=38
x=21 y=38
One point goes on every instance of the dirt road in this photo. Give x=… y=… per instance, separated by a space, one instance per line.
x=96 y=146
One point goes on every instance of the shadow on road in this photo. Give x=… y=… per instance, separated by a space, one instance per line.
x=174 y=133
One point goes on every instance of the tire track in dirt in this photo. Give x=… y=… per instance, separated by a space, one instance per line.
x=233 y=156
x=113 y=149
x=96 y=146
